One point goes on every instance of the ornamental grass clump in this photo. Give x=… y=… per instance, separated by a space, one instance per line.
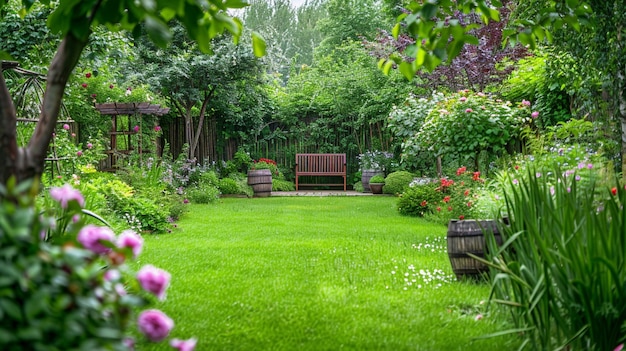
x=75 y=292
x=562 y=268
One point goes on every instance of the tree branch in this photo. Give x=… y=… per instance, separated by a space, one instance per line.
x=8 y=133
x=205 y=102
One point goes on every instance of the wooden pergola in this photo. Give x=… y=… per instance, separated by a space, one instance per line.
x=117 y=109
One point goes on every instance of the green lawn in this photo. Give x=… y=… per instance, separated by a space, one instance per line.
x=317 y=273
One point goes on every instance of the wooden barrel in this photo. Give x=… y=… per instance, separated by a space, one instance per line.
x=466 y=236
x=261 y=182
x=366 y=175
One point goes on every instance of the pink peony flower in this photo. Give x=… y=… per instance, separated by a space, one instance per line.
x=469 y=110
x=65 y=194
x=89 y=145
x=184 y=345
x=91 y=238
x=66 y=126
x=155 y=325
x=154 y=280
x=112 y=275
x=132 y=240
x=157 y=128
x=619 y=347
x=525 y=103
x=535 y=114
x=136 y=129
x=79 y=153
x=462 y=99
x=73 y=135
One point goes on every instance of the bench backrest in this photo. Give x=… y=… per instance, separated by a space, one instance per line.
x=321 y=163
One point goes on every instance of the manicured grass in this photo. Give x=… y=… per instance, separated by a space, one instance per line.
x=321 y=273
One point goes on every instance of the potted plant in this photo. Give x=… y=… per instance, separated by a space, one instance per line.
x=373 y=163
x=376 y=184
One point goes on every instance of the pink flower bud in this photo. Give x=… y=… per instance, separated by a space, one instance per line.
x=79 y=153
x=66 y=126
x=535 y=114
x=155 y=325
x=154 y=280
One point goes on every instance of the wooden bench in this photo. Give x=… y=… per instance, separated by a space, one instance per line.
x=321 y=165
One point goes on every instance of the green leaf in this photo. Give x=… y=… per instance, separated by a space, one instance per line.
x=396 y=30
x=5 y=56
x=158 y=31
x=236 y=4
x=429 y=10
x=258 y=45
x=407 y=69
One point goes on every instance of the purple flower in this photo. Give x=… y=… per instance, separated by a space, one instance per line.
x=155 y=325
x=65 y=194
x=136 y=129
x=132 y=240
x=515 y=181
x=535 y=114
x=66 y=126
x=185 y=201
x=463 y=99
x=538 y=175
x=91 y=238
x=184 y=345
x=551 y=190
x=525 y=103
x=157 y=128
x=469 y=110
x=89 y=145
x=154 y=280
x=590 y=165
x=79 y=153
x=577 y=177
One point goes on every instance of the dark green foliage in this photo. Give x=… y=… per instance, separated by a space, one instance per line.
x=397 y=182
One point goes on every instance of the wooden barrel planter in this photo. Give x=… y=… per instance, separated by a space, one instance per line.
x=261 y=182
x=366 y=175
x=466 y=236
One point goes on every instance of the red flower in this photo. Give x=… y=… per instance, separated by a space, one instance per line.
x=461 y=170
x=476 y=176
x=438 y=209
x=446 y=199
x=461 y=217
x=469 y=204
x=88 y=75
x=424 y=203
x=614 y=191
x=449 y=208
x=84 y=85
x=516 y=167
x=466 y=192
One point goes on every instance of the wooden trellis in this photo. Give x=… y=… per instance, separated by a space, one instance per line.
x=125 y=131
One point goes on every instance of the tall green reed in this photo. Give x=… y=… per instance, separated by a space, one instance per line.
x=561 y=270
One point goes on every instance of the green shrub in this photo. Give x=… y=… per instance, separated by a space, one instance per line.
x=203 y=194
x=377 y=179
x=228 y=186
x=415 y=200
x=397 y=182
x=358 y=187
x=282 y=185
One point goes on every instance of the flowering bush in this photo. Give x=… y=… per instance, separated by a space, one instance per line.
x=449 y=198
x=76 y=292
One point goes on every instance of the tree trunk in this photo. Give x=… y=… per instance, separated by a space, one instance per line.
x=29 y=162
